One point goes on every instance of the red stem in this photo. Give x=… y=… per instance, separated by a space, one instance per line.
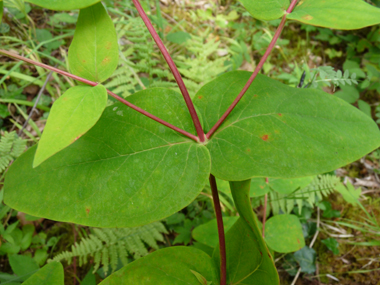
x=134 y=107
x=222 y=240
x=174 y=70
x=257 y=70
x=265 y=213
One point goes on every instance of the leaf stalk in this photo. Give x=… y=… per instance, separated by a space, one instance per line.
x=91 y=83
x=173 y=69
x=256 y=71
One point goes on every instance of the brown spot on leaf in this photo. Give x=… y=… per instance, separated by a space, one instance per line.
x=307 y=17
x=88 y=210
x=84 y=61
x=262 y=186
x=265 y=137
x=106 y=60
x=269 y=255
x=255 y=95
x=298 y=241
x=200 y=96
x=280 y=114
x=108 y=45
x=248 y=150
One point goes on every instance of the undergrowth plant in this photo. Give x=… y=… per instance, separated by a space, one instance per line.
x=150 y=155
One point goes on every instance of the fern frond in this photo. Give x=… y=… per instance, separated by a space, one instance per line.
x=321 y=185
x=11 y=147
x=106 y=246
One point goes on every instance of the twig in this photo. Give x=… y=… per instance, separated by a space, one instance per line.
x=257 y=70
x=174 y=70
x=91 y=83
x=36 y=103
x=222 y=241
x=311 y=244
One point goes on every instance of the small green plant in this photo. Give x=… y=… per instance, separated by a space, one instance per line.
x=107 y=245
x=150 y=155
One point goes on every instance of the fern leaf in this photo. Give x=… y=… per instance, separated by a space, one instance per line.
x=11 y=147
x=106 y=246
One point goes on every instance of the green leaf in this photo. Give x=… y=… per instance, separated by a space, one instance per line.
x=23 y=266
x=283 y=233
x=365 y=108
x=266 y=273
x=128 y=170
x=173 y=265
x=266 y=10
x=280 y=131
x=60 y=5
x=71 y=116
x=337 y=14
x=282 y=186
x=306 y=259
x=208 y=232
x=331 y=244
x=349 y=193
x=178 y=37
x=51 y=273
x=1 y=10
x=243 y=253
x=348 y=93
x=94 y=52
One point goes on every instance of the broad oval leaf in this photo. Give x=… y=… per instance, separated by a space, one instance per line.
x=208 y=233
x=60 y=5
x=266 y=10
x=52 y=273
x=266 y=273
x=337 y=14
x=71 y=116
x=128 y=170
x=283 y=233
x=94 y=52
x=280 y=131
x=174 y=265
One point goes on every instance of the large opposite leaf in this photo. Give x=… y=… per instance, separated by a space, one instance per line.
x=173 y=265
x=266 y=10
x=266 y=273
x=60 y=5
x=128 y=170
x=280 y=131
x=336 y=14
x=71 y=116
x=50 y=274
x=94 y=53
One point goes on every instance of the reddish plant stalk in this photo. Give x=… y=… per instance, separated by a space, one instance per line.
x=265 y=213
x=89 y=82
x=222 y=240
x=174 y=70
x=254 y=74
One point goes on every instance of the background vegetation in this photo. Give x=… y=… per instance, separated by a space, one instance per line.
x=206 y=39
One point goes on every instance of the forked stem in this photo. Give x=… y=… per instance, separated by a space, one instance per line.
x=222 y=240
x=89 y=82
x=174 y=70
x=257 y=70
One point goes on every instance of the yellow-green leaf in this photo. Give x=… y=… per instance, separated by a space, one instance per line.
x=94 y=52
x=336 y=14
x=60 y=5
x=71 y=116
